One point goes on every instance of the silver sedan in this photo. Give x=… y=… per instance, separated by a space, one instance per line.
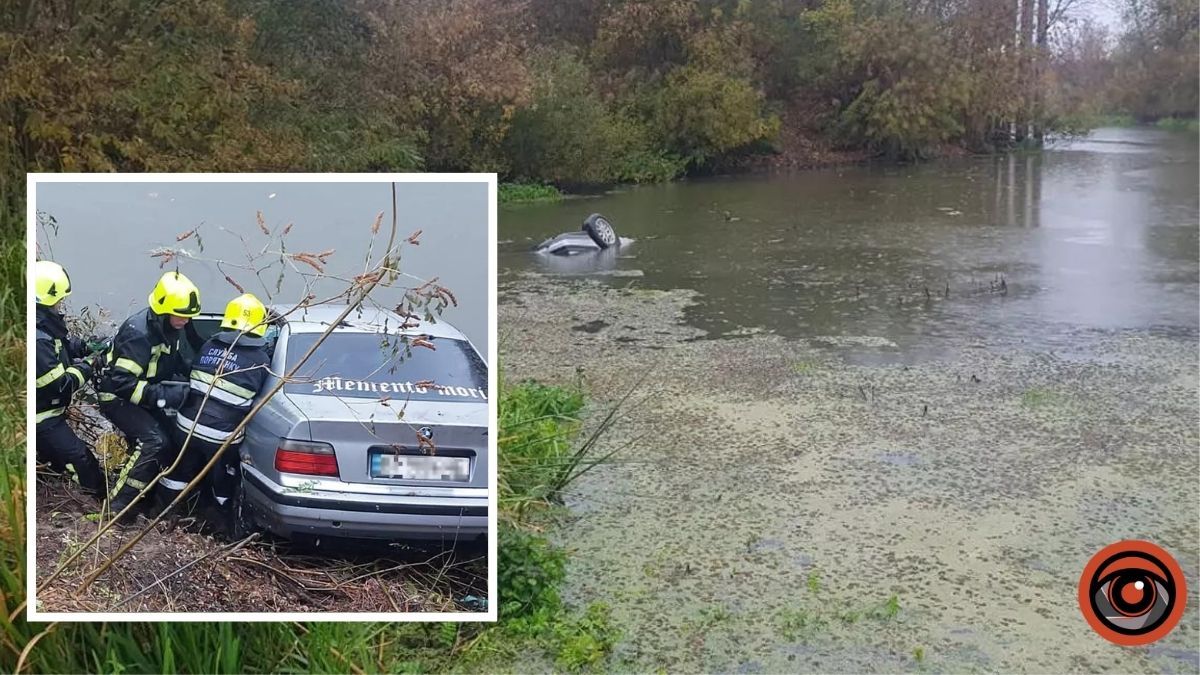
x=377 y=437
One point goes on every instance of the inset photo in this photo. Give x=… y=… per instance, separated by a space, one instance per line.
x=262 y=397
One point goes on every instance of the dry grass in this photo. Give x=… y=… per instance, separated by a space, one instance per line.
x=181 y=567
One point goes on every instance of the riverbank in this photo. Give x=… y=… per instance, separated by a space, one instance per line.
x=185 y=567
x=797 y=148
x=780 y=509
x=800 y=148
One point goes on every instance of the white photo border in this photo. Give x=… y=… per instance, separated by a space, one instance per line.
x=32 y=181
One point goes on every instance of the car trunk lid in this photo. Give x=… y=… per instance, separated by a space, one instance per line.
x=401 y=442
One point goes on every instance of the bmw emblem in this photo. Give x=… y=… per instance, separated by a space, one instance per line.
x=426 y=432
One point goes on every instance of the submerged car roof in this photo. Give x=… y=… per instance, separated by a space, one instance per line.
x=363 y=320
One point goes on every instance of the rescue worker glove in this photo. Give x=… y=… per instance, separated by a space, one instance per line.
x=96 y=363
x=168 y=395
x=85 y=368
x=77 y=347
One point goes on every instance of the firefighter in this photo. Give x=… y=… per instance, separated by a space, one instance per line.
x=145 y=380
x=229 y=371
x=61 y=371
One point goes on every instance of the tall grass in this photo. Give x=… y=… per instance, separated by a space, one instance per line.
x=539 y=424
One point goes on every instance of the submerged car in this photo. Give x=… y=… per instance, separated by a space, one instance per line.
x=596 y=235
x=375 y=437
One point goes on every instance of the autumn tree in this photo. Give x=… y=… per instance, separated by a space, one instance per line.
x=1156 y=61
x=455 y=72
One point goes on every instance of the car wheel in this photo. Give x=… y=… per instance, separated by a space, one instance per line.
x=240 y=517
x=601 y=231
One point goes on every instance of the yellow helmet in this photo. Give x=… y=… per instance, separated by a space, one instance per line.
x=50 y=283
x=175 y=294
x=246 y=313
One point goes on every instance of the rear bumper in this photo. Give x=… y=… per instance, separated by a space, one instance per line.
x=288 y=512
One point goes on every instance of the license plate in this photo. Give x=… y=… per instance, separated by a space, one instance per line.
x=420 y=467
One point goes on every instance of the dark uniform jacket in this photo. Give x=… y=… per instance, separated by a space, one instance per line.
x=242 y=362
x=145 y=351
x=57 y=376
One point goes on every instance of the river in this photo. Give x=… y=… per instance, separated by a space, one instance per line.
x=106 y=232
x=884 y=414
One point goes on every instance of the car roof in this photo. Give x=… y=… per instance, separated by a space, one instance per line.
x=362 y=320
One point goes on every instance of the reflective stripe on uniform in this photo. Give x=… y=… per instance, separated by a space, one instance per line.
x=175 y=485
x=76 y=373
x=222 y=395
x=129 y=365
x=45 y=415
x=204 y=431
x=138 y=390
x=135 y=483
x=221 y=382
x=55 y=373
x=155 y=352
x=124 y=473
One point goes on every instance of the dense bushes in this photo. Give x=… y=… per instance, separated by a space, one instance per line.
x=913 y=91
x=568 y=134
x=703 y=115
x=570 y=93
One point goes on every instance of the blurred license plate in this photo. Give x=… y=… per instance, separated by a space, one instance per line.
x=420 y=467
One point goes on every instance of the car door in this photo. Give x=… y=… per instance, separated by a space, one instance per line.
x=206 y=325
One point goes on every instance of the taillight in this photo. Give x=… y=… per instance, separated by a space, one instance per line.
x=307 y=457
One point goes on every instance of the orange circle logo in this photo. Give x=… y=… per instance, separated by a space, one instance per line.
x=1132 y=592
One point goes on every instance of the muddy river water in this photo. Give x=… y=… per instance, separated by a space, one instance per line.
x=883 y=415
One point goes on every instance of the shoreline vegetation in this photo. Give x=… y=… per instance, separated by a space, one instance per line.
x=566 y=96
x=805 y=157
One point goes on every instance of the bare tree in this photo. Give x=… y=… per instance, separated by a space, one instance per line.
x=1025 y=44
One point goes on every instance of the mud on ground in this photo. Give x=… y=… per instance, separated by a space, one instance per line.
x=779 y=510
x=184 y=569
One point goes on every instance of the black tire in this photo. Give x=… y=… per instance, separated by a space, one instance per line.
x=601 y=231
x=240 y=517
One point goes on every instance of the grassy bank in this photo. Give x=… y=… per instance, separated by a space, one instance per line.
x=1178 y=124
x=522 y=193
x=1126 y=120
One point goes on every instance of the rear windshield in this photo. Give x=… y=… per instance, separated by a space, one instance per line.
x=370 y=365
